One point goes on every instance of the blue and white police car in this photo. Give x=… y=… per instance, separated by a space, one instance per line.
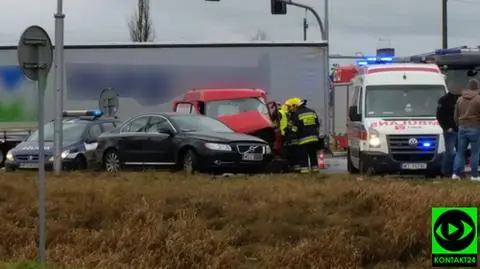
x=81 y=129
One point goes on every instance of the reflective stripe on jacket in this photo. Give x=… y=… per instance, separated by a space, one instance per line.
x=283 y=121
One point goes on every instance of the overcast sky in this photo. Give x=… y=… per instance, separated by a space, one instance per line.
x=411 y=26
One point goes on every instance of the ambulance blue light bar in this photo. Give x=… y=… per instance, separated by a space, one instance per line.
x=375 y=60
x=80 y=113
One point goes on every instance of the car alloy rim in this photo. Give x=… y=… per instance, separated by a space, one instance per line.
x=112 y=163
x=187 y=164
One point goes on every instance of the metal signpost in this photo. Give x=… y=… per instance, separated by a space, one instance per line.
x=35 y=56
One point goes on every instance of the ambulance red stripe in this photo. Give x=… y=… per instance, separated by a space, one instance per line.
x=400 y=69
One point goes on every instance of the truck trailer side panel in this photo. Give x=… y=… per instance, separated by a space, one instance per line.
x=148 y=77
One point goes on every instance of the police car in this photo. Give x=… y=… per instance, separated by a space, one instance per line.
x=81 y=129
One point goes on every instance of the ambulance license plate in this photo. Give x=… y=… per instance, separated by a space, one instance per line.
x=252 y=157
x=414 y=166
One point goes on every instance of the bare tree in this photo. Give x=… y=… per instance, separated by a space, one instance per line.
x=260 y=35
x=140 y=24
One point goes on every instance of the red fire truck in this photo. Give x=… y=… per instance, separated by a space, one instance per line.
x=341 y=77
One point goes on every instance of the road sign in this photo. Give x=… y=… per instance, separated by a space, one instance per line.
x=108 y=102
x=35 y=56
x=35 y=52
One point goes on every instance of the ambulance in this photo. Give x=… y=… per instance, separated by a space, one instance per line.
x=392 y=126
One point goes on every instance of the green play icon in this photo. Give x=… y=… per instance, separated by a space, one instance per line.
x=451 y=229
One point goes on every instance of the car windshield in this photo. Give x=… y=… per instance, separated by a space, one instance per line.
x=191 y=123
x=234 y=106
x=71 y=132
x=402 y=100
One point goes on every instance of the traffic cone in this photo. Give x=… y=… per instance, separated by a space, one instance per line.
x=321 y=160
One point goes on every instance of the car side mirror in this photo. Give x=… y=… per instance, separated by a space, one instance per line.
x=353 y=115
x=167 y=131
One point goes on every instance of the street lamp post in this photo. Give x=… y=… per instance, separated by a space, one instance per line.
x=59 y=76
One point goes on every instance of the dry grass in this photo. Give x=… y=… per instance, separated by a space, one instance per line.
x=161 y=220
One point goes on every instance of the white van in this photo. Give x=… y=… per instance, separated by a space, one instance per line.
x=392 y=125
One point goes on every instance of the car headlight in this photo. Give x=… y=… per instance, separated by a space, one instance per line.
x=268 y=149
x=373 y=138
x=218 y=147
x=9 y=155
x=63 y=155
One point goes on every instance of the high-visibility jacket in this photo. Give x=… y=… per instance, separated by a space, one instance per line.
x=306 y=125
x=283 y=120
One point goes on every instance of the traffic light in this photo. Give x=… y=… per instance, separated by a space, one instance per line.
x=278 y=7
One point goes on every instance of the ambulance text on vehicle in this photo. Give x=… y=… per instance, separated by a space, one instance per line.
x=392 y=125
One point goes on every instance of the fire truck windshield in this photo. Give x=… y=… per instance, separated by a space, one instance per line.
x=234 y=106
x=402 y=100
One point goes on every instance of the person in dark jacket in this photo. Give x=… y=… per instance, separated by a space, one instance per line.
x=445 y=111
x=307 y=126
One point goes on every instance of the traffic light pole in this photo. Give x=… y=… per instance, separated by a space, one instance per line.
x=312 y=10
x=326 y=79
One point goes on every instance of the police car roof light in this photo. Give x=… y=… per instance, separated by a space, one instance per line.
x=375 y=60
x=80 y=113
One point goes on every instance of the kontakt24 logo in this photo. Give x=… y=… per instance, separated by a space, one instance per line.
x=454 y=237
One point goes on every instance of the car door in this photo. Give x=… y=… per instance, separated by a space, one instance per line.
x=132 y=141
x=90 y=142
x=160 y=147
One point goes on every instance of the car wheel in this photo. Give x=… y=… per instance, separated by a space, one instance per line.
x=190 y=162
x=111 y=161
x=351 y=169
x=80 y=163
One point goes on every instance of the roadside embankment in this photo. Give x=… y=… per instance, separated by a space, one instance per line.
x=163 y=220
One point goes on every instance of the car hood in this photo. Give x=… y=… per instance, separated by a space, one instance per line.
x=31 y=148
x=247 y=122
x=224 y=137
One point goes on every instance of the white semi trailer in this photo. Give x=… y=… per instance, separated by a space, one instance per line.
x=148 y=77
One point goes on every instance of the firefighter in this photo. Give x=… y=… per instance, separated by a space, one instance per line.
x=307 y=127
x=291 y=134
x=288 y=137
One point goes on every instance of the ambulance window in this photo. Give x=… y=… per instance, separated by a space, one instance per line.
x=402 y=100
x=358 y=99
x=354 y=100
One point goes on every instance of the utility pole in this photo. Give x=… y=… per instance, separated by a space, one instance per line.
x=305 y=26
x=59 y=85
x=444 y=24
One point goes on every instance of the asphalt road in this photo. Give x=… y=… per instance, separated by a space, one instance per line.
x=336 y=165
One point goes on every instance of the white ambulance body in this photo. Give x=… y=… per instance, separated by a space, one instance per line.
x=392 y=125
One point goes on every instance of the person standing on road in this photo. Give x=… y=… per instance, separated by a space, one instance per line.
x=307 y=125
x=467 y=118
x=445 y=111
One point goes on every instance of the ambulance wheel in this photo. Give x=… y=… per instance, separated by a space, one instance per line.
x=351 y=169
